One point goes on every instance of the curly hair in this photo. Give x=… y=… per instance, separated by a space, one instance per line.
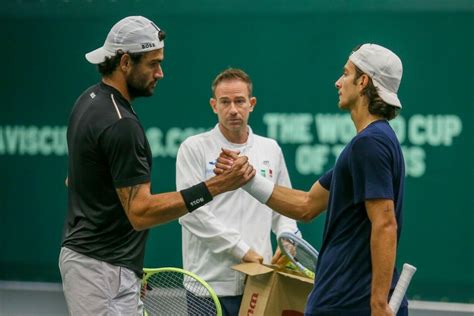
x=110 y=64
x=377 y=106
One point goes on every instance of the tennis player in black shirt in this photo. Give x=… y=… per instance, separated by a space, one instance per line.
x=110 y=205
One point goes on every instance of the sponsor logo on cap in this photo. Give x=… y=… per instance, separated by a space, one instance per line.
x=148 y=45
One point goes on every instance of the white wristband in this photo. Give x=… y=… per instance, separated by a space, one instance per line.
x=260 y=188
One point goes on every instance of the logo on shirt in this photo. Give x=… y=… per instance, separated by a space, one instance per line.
x=210 y=167
x=266 y=170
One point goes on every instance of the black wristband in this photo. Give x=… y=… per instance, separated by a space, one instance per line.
x=196 y=196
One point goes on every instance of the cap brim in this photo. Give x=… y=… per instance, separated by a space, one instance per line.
x=98 y=56
x=389 y=97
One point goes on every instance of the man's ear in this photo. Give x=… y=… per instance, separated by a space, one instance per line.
x=253 y=103
x=125 y=62
x=363 y=81
x=213 y=104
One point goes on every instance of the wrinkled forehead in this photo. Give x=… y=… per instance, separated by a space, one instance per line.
x=232 y=88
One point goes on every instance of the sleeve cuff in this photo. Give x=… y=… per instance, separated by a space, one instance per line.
x=240 y=249
x=290 y=230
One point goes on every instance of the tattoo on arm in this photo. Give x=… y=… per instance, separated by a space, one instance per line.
x=126 y=196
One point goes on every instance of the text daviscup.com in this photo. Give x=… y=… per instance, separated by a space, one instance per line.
x=316 y=139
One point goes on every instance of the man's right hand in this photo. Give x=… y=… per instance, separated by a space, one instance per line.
x=252 y=256
x=232 y=178
x=225 y=160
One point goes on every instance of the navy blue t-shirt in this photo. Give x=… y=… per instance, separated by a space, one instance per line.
x=371 y=166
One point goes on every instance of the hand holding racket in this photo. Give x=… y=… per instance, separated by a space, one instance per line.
x=304 y=257
x=174 y=291
x=401 y=287
x=301 y=254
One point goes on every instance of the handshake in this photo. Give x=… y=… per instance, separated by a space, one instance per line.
x=234 y=171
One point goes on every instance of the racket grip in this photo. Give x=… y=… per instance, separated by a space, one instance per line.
x=401 y=287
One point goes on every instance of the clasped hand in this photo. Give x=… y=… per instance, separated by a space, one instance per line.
x=226 y=160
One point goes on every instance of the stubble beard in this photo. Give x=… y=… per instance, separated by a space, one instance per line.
x=136 y=89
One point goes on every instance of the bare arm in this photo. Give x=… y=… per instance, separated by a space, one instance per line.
x=383 y=243
x=145 y=210
x=292 y=203
x=298 y=204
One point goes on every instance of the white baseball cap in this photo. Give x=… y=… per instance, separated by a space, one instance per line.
x=384 y=67
x=133 y=34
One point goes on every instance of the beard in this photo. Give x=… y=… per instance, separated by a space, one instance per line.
x=136 y=86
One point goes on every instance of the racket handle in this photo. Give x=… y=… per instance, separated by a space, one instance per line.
x=401 y=287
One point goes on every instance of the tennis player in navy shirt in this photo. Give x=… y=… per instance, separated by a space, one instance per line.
x=362 y=193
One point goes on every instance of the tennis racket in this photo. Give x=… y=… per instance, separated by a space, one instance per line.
x=302 y=255
x=401 y=287
x=174 y=291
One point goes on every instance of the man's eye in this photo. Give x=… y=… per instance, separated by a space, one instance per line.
x=239 y=102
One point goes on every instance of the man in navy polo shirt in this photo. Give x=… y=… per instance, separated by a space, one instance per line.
x=363 y=194
x=110 y=205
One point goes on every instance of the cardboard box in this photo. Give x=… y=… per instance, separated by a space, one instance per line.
x=270 y=291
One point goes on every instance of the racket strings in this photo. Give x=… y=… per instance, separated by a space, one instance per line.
x=300 y=254
x=172 y=293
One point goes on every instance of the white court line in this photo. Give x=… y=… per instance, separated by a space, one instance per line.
x=412 y=304
x=31 y=286
x=440 y=306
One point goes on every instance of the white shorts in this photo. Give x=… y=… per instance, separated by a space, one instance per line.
x=93 y=287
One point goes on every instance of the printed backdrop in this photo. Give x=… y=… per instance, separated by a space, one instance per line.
x=294 y=53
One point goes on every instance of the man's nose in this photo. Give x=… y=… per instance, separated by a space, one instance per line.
x=159 y=73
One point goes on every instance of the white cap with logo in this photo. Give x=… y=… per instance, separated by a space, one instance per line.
x=133 y=34
x=383 y=67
